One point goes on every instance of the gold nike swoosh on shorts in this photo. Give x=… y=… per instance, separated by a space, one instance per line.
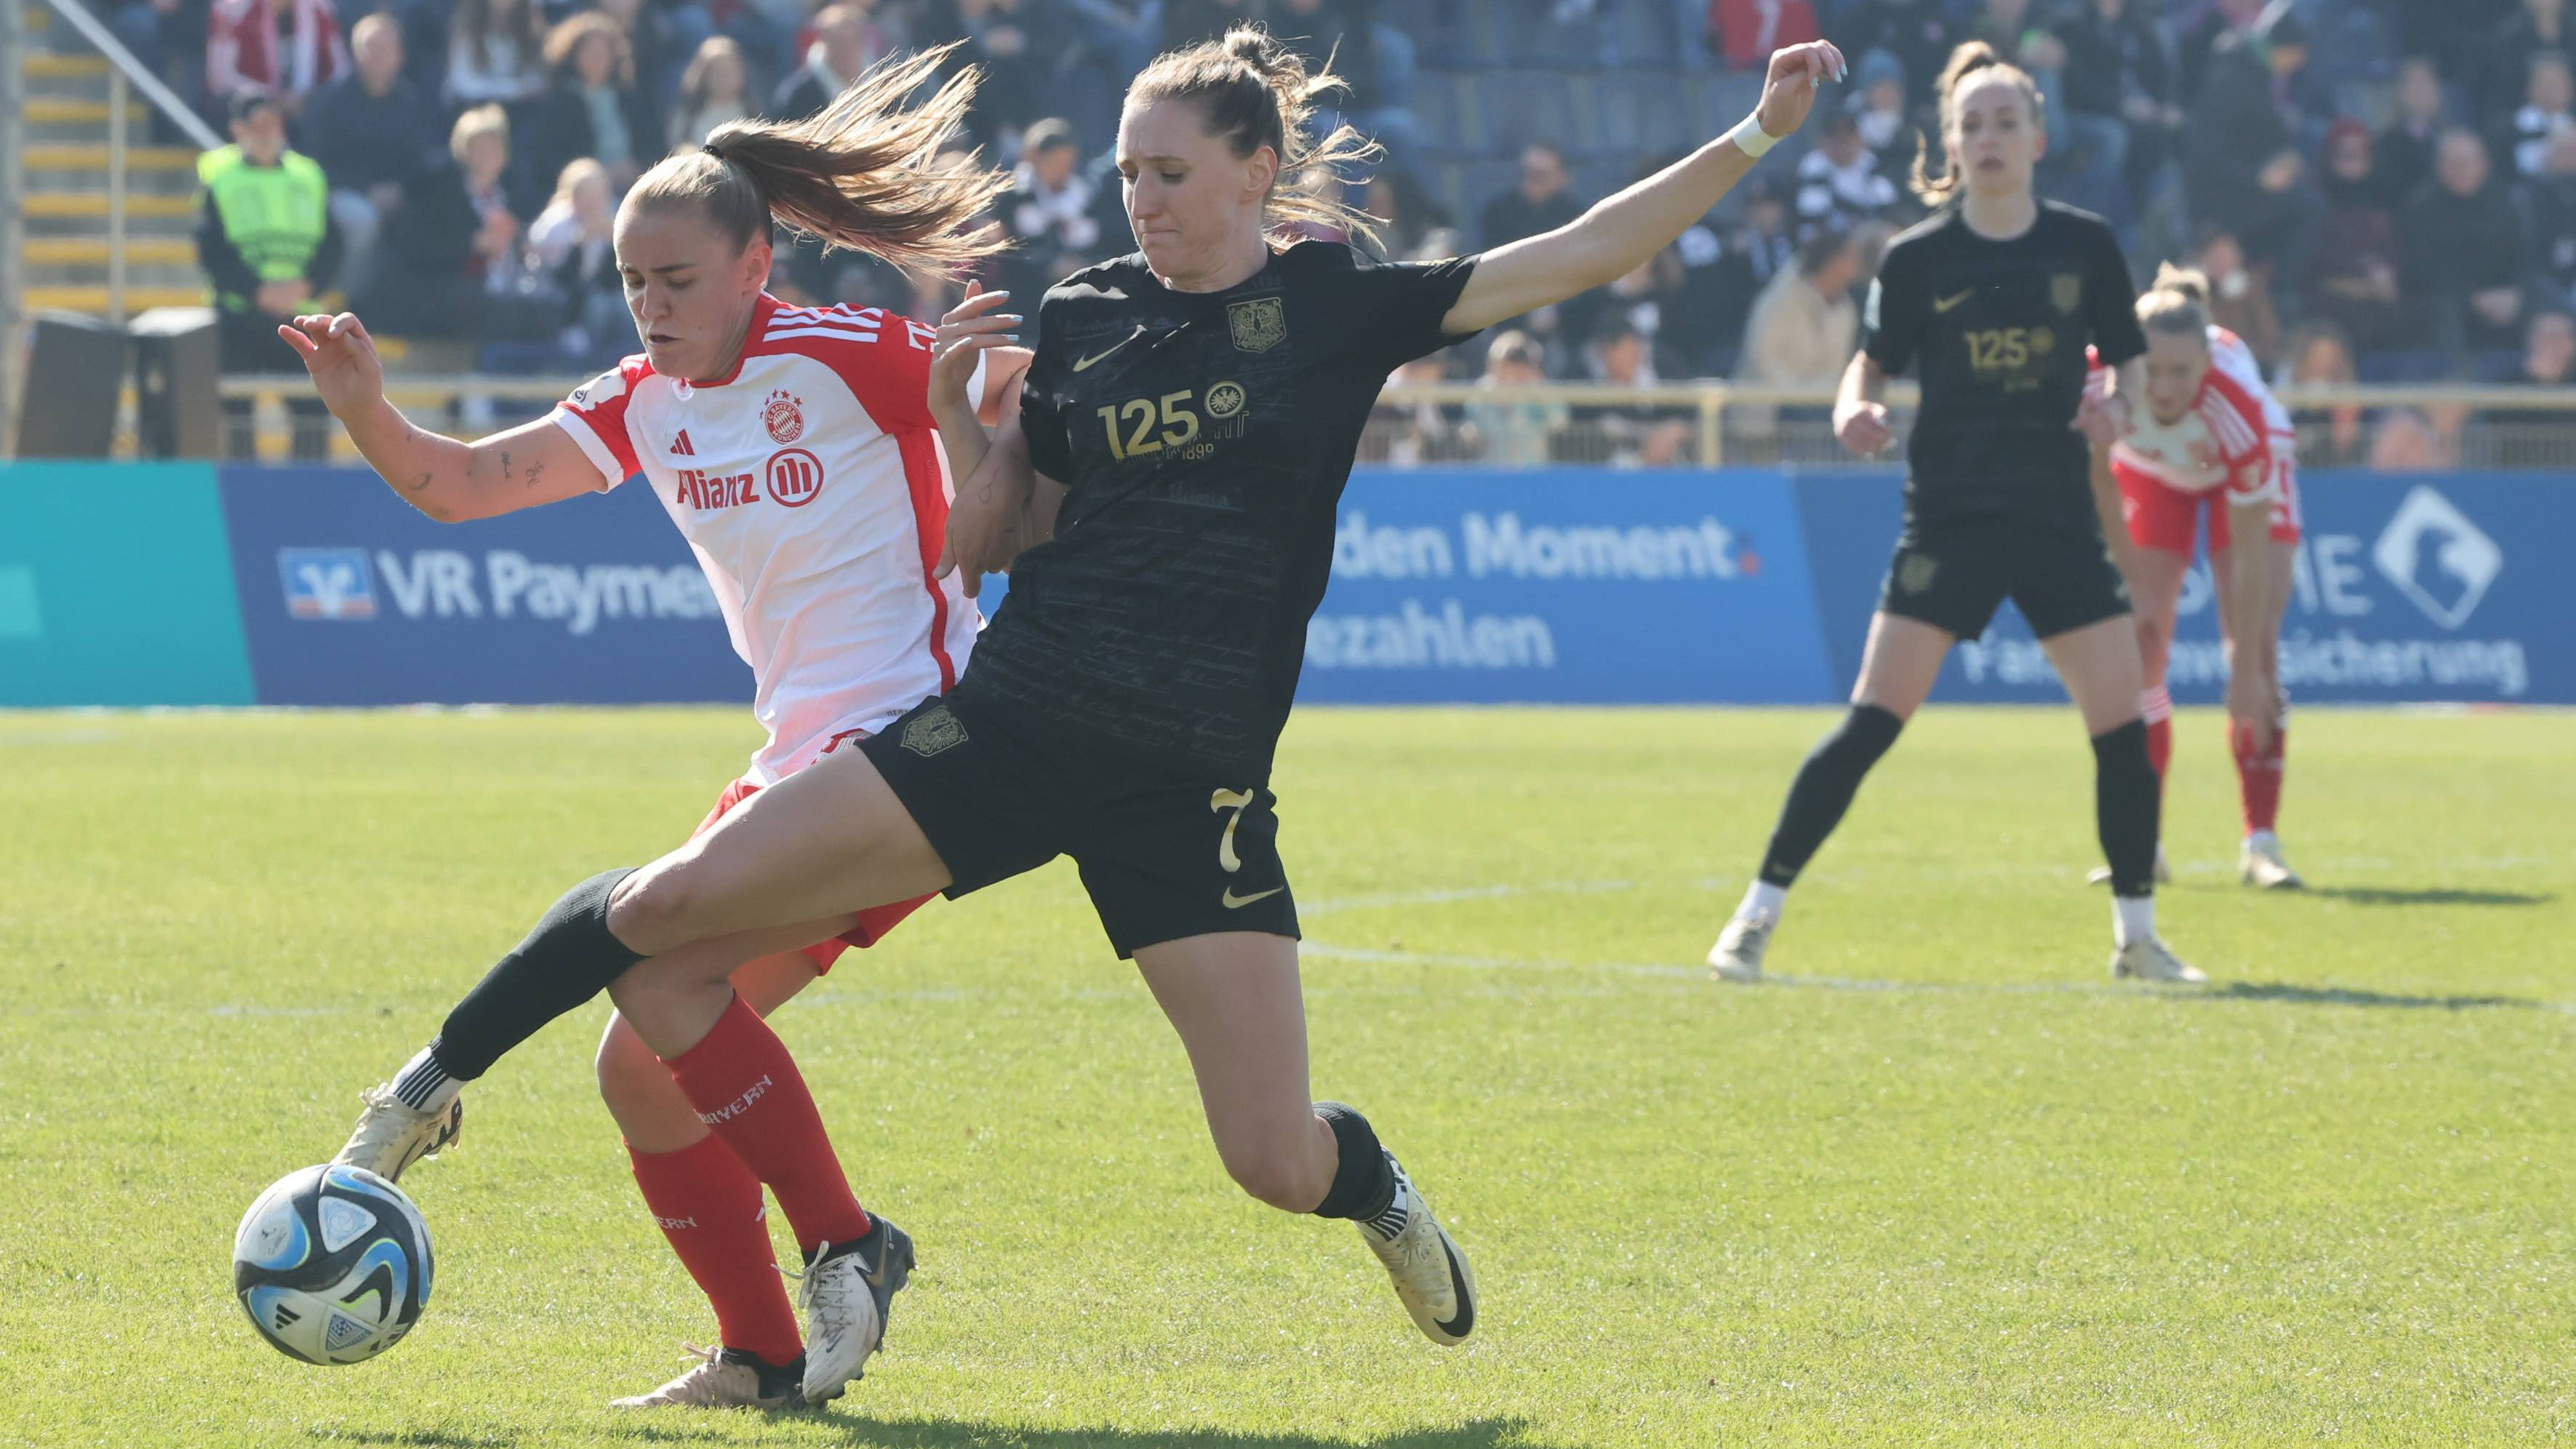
x=1939 y=304
x=1095 y=357
x=1235 y=902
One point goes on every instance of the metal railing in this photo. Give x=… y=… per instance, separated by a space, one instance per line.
x=1681 y=424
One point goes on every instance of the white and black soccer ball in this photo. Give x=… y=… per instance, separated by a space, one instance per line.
x=332 y=1264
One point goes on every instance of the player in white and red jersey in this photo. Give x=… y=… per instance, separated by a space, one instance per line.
x=2213 y=440
x=795 y=449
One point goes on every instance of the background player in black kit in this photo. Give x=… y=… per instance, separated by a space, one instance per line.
x=1993 y=300
x=1194 y=413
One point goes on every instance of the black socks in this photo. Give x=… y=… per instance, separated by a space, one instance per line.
x=569 y=958
x=2125 y=807
x=1824 y=789
x=1364 y=1185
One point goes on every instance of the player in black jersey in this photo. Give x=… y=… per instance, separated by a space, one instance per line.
x=1192 y=419
x=1992 y=300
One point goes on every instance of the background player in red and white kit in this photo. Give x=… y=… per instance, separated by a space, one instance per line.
x=2212 y=438
x=795 y=450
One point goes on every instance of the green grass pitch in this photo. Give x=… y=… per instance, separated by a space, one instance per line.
x=1950 y=1186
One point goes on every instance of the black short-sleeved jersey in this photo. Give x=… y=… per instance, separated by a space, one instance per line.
x=1998 y=330
x=1203 y=438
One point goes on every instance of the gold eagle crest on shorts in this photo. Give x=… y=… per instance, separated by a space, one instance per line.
x=1913 y=576
x=2066 y=289
x=1258 y=323
x=933 y=730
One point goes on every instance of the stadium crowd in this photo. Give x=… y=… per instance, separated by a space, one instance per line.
x=2380 y=190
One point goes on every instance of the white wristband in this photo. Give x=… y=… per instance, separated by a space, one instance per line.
x=1750 y=138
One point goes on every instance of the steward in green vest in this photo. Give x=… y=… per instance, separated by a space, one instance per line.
x=270 y=252
x=264 y=236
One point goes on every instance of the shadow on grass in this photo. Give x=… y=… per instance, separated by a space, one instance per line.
x=859 y=1430
x=415 y=1438
x=2427 y=896
x=2348 y=996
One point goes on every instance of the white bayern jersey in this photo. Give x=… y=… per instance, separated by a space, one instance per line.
x=810 y=484
x=2230 y=437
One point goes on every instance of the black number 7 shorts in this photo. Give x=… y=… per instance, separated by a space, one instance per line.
x=1164 y=854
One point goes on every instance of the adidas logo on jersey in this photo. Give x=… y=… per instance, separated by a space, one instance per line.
x=680 y=446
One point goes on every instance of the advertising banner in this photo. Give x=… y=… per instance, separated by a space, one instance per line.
x=351 y=597
x=115 y=588
x=1563 y=585
x=2409 y=587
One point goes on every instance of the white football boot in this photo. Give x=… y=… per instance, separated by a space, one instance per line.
x=392 y=1136
x=2262 y=864
x=1430 y=1274
x=723 y=1378
x=847 y=1293
x=2101 y=874
x=1737 y=956
x=2148 y=958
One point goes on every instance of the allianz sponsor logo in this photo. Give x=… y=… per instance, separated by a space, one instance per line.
x=439 y=583
x=2429 y=552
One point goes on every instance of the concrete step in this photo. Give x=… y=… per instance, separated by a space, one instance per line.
x=180 y=278
x=93 y=250
x=94 y=204
x=93 y=299
x=62 y=111
x=41 y=65
x=60 y=157
x=138 y=183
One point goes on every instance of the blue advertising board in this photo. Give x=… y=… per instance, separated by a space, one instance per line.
x=351 y=597
x=2449 y=587
x=1577 y=586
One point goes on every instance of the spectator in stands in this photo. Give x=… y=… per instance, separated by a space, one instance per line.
x=594 y=107
x=1637 y=434
x=2353 y=281
x=2241 y=160
x=493 y=53
x=1805 y=324
x=169 y=38
x=1420 y=432
x=2502 y=66
x=716 y=88
x=845 y=44
x=2410 y=441
x=1543 y=201
x=281 y=49
x=456 y=241
x=2545 y=114
x=2533 y=439
x=2549 y=351
x=1721 y=277
x=1017 y=44
x=2551 y=199
x=1375 y=61
x=1048 y=213
x=1745 y=32
x=2320 y=357
x=2406 y=147
x=573 y=242
x=265 y=240
x=659 y=52
x=373 y=134
x=1187 y=22
x=2117 y=79
x=1878 y=108
x=2462 y=252
x=1839 y=184
x=1915 y=32
x=1406 y=214
x=1515 y=434
x=2240 y=298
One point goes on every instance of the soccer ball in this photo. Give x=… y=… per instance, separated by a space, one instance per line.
x=332 y=1264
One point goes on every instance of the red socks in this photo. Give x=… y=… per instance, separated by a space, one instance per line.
x=745 y=1086
x=709 y=1206
x=2258 y=774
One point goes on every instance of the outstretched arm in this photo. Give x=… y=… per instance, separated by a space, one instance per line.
x=1622 y=232
x=451 y=481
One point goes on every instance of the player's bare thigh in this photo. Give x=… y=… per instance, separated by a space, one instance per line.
x=826 y=841
x=1899 y=663
x=2099 y=663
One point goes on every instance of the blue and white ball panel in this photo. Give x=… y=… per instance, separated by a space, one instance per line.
x=332 y=1264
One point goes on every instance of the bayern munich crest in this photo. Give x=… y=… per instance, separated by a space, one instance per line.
x=785 y=416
